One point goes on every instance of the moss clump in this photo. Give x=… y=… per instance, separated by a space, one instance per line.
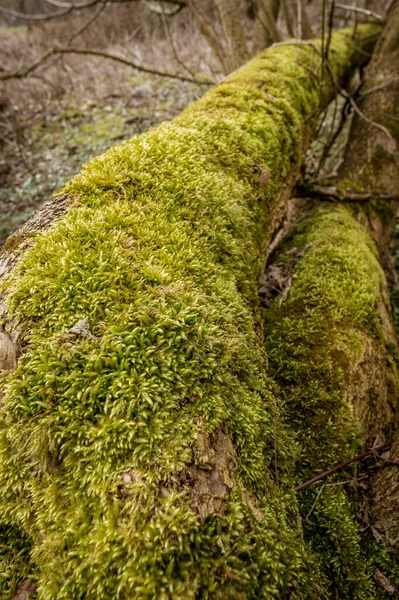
x=15 y=565
x=313 y=341
x=161 y=251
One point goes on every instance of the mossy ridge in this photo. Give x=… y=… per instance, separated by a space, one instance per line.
x=161 y=252
x=326 y=321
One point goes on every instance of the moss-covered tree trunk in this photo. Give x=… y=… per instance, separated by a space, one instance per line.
x=333 y=350
x=372 y=163
x=143 y=452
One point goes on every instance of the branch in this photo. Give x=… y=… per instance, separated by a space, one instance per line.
x=347 y=195
x=371 y=122
x=368 y=13
x=267 y=20
x=27 y=70
x=37 y=17
x=87 y=24
x=165 y=23
x=69 y=7
x=72 y=5
x=372 y=452
x=208 y=31
x=379 y=87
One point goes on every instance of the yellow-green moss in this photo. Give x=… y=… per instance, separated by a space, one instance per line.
x=161 y=251
x=312 y=339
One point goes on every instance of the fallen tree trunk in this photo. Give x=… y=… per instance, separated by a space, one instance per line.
x=373 y=158
x=142 y=451
x=333 y=349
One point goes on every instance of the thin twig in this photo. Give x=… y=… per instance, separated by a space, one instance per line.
x=371 y=122
x=365 y=11
x=35 y=17
x=341 y=466
x=347 y=195
x=357 y=109
x=68 y=7
x=330 y=29
x=165 y=23
x=376 y=88
x=87 y=24
x=353 y=480
x=315 y=502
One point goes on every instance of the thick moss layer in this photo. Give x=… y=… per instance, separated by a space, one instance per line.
x=141 y=457
x=319 y=341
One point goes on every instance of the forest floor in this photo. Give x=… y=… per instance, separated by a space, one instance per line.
x=75 y=109
x=55 y=144
x=72 y=132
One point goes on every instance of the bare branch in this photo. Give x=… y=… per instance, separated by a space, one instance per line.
x=334 y=194
x=68 y=8
x=70 y=5
x=208 y=31
x=380 y=87
x=36 y=17
x=266 y=18
x=371 y=122
x=165 y=23
x=341 y=466
x=365 y=11
x=89 y=22
x=88 y=51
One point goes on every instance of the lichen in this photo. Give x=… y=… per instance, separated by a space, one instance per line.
x=161 y=251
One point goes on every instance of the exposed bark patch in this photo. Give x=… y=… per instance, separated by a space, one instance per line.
x=25 y=590
x=253 y=505
x=41 y=221
x=8 y=353
x=384 y=582
x=385 y=500
x=371 y=389
x=211 y=477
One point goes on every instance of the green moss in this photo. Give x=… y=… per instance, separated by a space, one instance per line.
x=161 y=251
x=348 y=184
x=15 y=565
x=312 y=340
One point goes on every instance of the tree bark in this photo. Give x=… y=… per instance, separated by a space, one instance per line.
x=372 y=158
x=266 y=31
x=236 y=45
